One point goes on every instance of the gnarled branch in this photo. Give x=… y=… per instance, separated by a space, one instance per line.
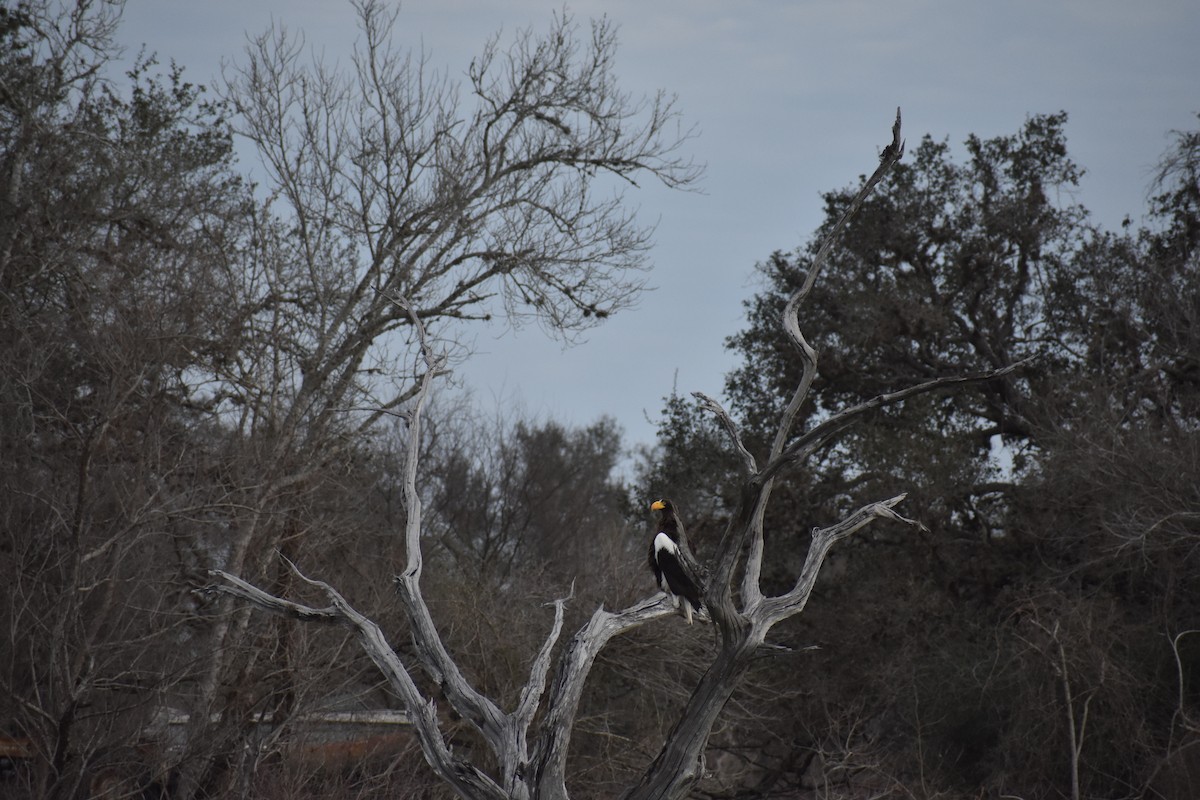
x=730 y=427
x=808 y=355
x=548 y=766
x=467 y=779
x=743 y=630
x=787 y=605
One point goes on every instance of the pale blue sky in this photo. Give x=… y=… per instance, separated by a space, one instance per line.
x=790 y=99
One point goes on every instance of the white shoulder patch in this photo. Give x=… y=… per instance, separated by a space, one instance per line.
x=663 y=542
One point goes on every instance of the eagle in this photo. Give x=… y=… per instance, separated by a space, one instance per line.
x=675 y=568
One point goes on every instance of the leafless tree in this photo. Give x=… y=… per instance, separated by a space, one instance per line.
x=388 y=180
x=529 y=742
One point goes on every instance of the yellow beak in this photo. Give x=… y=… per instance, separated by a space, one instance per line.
x=657 y=505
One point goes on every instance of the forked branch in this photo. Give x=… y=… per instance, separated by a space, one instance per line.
x=743 y=630
x=468 y=780
x=822 y=434
x=793 y=602
x=549 y=761
x=891 y=155
x=730 y=427
x=791 y=324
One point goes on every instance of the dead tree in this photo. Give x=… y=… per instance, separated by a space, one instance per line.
x=531 y=748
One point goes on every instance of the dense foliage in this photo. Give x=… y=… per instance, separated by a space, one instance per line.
x=1037 y=641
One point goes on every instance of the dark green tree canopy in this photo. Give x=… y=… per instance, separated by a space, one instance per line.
x=1053 y=584
x=948 y=268
x=955 y=267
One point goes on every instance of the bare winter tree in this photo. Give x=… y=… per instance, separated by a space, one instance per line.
x=386 y=180
x=529 y=742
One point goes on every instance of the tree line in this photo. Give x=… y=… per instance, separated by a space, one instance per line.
x=202 y=374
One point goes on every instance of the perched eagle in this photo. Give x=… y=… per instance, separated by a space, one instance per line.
x=675 y=568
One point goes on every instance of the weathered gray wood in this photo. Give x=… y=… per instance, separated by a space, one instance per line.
x=679 y=765
x=548 y=769
x=466 y=779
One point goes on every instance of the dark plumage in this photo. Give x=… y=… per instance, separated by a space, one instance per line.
x=676 y=570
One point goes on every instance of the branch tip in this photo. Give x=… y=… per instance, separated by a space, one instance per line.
x=730 y=428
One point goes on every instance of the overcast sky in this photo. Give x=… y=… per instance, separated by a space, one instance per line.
x=790 y=99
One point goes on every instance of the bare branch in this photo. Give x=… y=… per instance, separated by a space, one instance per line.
x=1180 y=713
x=268 y=602
x=891 y=156
x=820 y=435
x=778 y=608
x=730 y=427
x=433 y=369
x=462 y=775
x=531 y=695
x=431 y=650
x=748 y=524
x=549 y=762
